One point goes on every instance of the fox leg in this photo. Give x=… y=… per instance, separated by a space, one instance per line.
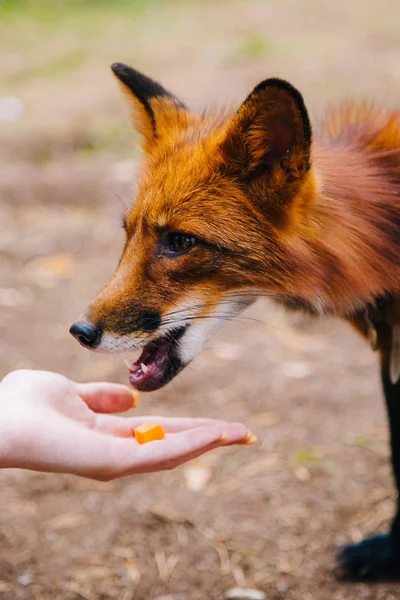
x=378 y=557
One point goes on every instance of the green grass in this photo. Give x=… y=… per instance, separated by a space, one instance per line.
x=48 y=8
x=46 y=39
x=305 y=456
x=253 y=46
x=27 y=22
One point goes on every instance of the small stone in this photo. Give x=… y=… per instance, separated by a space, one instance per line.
x=25 y=579
x=302 y=473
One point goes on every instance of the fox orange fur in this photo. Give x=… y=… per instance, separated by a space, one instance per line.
x=230 y=207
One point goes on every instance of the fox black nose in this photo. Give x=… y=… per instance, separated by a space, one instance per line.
x=86 y=334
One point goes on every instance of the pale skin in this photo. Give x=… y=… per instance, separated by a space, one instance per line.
x=51 y=424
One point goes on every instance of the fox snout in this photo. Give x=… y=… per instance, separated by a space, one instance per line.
x=95 y=333
x=168 y=339
x=161 y=358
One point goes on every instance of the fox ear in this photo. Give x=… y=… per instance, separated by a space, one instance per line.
x=271 y=129
x=154 y=109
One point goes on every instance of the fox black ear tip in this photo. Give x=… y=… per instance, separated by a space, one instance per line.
x=117 y=68
x=277 y=83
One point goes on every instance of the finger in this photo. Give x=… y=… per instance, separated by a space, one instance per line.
x=125 y=426
x=107 y=397
x=177 y=424
x=176 y=448
x=188 y=457
x=112 y=423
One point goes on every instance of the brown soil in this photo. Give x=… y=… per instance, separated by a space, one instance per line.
x=269 y=517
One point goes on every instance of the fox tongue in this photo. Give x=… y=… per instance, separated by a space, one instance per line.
x=158 y=363
x=151 y=364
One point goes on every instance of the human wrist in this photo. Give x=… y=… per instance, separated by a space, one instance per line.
x=7 y=447
x=11 y=434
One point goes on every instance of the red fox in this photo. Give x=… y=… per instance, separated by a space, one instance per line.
x=232 y=207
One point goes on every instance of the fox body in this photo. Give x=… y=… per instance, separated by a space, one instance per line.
x=231 y=207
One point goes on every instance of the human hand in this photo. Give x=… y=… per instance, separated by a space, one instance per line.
x=49 y=423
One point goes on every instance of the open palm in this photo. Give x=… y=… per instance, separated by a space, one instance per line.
x=52 y=424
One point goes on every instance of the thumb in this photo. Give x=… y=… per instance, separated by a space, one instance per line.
x=103 y=397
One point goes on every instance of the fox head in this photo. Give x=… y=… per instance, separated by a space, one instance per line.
x=214 y=223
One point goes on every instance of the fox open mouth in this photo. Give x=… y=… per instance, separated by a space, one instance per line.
x=158 y=363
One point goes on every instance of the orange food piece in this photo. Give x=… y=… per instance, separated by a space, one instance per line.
x=148 y=432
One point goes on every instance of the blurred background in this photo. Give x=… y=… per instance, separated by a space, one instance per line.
x=268 y=517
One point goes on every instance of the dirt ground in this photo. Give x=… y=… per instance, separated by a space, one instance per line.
x=269 y=517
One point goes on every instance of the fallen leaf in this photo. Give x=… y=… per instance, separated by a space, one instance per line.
x=65 y=521
x=78 y=589
x=244 y=594
x=165 y=566
x=225 y=563
x=374 y=496
x=305 y=456
x=238 y=576
x=287 y=566
x=93 y=573
x=167 y=515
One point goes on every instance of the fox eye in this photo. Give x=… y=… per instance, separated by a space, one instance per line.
x=177 y=243
x=181 y=243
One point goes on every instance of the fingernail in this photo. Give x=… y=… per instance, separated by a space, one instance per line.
x=135 y=398
x=223 y=437
x=249 y=440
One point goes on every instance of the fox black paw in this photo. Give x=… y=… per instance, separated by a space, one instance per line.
x=373 y=559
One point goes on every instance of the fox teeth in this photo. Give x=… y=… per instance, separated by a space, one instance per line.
x=130 y=364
